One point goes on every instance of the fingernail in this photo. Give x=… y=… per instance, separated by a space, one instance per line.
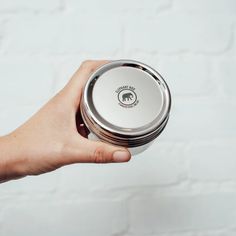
x=121 y=156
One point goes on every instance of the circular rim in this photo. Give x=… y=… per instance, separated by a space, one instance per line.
x=102 y=127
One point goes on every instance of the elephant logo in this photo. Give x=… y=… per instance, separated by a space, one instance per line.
x=127 y=97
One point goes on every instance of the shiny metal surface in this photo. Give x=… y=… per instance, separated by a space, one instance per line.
x=126 y=102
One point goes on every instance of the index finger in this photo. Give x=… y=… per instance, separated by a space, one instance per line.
x=78 y=80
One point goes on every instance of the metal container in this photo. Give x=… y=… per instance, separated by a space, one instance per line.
x=126 y=103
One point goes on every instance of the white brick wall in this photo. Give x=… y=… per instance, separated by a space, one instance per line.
x=185 y=184
x=28 y=5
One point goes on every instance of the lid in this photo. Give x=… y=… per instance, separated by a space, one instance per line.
x=126 y=99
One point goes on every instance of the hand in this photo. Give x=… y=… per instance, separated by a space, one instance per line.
x=50 y=139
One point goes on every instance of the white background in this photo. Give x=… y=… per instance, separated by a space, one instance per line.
x=185 y=184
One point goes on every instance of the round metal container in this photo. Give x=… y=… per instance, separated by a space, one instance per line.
x=126 y=103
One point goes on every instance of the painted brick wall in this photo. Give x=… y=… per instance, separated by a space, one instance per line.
x=185 y=184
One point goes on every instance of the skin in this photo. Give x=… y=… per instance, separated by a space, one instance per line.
x=50 y=138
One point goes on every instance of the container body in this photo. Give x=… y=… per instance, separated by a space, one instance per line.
x=126 y=103
x=132 y=150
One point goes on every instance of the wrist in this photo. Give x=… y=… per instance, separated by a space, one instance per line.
x=11 y=158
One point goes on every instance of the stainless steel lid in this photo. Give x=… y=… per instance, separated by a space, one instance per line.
x=126 y=103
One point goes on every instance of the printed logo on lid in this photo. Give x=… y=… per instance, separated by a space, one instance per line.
x=127 y=97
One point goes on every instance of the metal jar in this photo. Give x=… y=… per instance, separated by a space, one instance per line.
x=125 y=103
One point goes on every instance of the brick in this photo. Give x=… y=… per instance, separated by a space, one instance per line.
x=61 y=34
x=225 y=71
x=26 y=5
x=31 y=187
x=215 y=162
x=230 y=233
x=1 y=218
x=186 y=75
x=146 y=170
x=120 y=8
x=100 y=218
x=180 y=213
x=172 y=33
x=201 y=119
x=2 y=29
x=224 y=7
x=24 y=81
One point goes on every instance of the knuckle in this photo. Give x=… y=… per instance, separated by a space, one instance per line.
x=99 y=155
x=86 y=64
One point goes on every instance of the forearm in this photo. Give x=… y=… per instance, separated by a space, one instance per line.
x=10 y=158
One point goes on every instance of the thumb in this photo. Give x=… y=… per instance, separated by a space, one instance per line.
x=100 y=152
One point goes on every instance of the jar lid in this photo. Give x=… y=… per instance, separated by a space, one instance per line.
x=126 y=102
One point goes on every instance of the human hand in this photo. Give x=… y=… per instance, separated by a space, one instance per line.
x=50 y=139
